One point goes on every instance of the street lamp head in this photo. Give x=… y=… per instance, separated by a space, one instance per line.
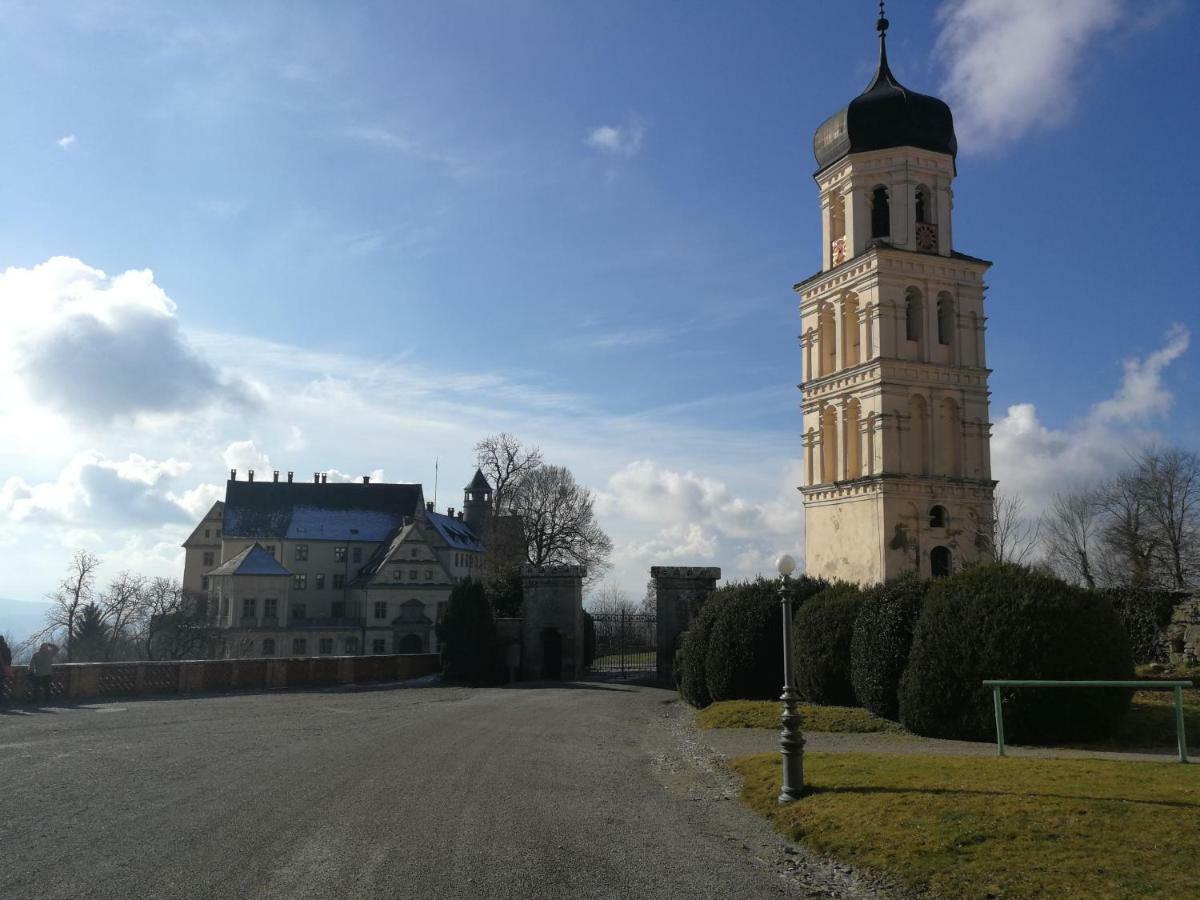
x=786 y=565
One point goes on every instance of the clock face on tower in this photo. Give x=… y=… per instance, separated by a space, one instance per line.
x=926 y=237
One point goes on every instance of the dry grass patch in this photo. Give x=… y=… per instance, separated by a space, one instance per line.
x=999 y=827
x=765 y=714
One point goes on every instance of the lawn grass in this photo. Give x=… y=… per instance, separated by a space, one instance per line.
x=765 y=714
x=994 y=827
x=1150 y=721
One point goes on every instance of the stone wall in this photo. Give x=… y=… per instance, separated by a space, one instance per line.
x=552 y=622
x=1181 y=637
x=85 y=681
x=680 y=591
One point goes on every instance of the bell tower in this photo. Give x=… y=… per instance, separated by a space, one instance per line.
x=897 y=468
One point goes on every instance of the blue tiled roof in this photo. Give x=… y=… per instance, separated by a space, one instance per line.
x=455 y=533
x=319 y=512
x=254 y=560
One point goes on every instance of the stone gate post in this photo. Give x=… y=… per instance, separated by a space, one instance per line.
x=552 y=622
x=680 y=591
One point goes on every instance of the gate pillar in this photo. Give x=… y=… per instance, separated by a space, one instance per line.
x=680 y=591
x=553 y=602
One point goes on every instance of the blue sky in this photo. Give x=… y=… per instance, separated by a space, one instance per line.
x=380 y=231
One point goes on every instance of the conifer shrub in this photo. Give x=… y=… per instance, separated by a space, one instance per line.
x=1001 y=621
x=467 y=634
x=822 y=632
x=882 y=639
x=1145 y=612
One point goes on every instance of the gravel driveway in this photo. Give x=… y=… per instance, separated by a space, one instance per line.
x=553 y=791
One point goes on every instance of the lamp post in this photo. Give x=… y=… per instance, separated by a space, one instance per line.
x=791 y=740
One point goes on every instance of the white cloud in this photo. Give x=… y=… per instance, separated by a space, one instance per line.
x=68 y=142
x=618 y=140
x=97 y=348
x=244 y=456
x=1034 y=461
x=1013 y=65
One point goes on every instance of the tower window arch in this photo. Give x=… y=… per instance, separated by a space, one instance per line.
x=829 y=445
x=921 y=205
x=945 y=319
x=826 y=332
x=912 y=314
x=881 y=213
x=918 y=435
x=937 y=517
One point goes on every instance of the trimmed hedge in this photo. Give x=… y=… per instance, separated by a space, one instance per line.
x=822 y=632
x=882 y=638
x=1004 y=621
x=733 y=648
x=467 y=634
x=1145 y=612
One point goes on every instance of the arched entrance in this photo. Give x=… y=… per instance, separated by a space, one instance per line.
x=410 y=643
x=551 y=654
x=939 y=562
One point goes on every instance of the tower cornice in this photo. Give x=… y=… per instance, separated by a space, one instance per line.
x=882 y=258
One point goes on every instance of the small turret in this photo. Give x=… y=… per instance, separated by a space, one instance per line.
x=477 y=503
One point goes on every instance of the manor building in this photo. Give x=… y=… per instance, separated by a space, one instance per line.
x=897 y=470
x=303 y=569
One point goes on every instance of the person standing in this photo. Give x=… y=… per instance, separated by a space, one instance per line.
x=5 y=666
x=41 y=669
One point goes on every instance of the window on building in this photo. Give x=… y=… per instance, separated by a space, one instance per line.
x=379 y=645
x=319 y=581
x=302 y=553
x=300 y=582
x=945 y=318
x=271 y=607
x=397 y=575
x=224 y=607
x=381 y=609
x=413 y=553
x=299 y=646
x=218 y=534
x=209 y=558
x=339 y=554
x=912 y=314
x=249 y=607
x=270 y=548
x=204 y=582
x=937 y=517
x=881 y=214
x=206 y=532
x=441 y=610
x=268 y=647
x=299 y=612
x=325 y=646
x=429 y=574
x=339 y=580
x=337 y=609
x=356 y=555
x=922 y=204
x=412 y=575
x=351 y=646
x=939 y=562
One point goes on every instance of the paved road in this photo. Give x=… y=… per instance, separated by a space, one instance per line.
x=584 y=791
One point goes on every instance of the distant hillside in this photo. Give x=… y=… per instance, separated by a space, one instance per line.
x=21 y=618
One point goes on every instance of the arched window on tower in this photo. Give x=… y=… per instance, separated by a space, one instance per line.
x=937 y=517
x=829 y=445
x=945 y=319
x=918 y=436
x=939 y=562
x=826 y=337
x=881 y=213
x=912 y=314
x=850 y=353
x=837 y=228
x=950 y=438
x=921 y=204
x=853 y=439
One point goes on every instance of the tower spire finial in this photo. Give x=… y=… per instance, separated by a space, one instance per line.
x=882 y=25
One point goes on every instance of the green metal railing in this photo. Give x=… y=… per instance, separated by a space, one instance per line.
x=1177 y=686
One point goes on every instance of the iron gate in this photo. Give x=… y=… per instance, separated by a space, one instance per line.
x=625 y=645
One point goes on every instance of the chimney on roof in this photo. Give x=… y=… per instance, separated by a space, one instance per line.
x=316 y=477
x=450 y=512
x=366 y=479
x=250 y=474
x=324 y=478
x=460 y=515
x=289 y=477
x=233 y=474
x=428 y=506
x=276 y=478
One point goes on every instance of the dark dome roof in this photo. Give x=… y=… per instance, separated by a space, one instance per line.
x=886 y=114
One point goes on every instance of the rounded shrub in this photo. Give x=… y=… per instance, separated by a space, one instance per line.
x=467 y=634
x=689 y=659
x=882 y=639
x=1145 y=612
x=744 y=659
x=1006 y=622
x=822 y=632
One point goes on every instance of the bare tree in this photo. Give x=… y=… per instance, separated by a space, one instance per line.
x=1131 y=548
x=506 y=462
x=1014 y=535
x=1169 y=483
x=559 y=521
x=171 y=625
x=610 y=599
x=74 y=592
x=122 y=604
x=1072 y=526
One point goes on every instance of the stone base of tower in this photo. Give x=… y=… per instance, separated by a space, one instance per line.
x=874 y=529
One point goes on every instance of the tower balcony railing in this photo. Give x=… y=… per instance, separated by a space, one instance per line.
x=837 y=250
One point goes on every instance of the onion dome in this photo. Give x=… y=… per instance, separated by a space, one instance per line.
x=886 y=114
